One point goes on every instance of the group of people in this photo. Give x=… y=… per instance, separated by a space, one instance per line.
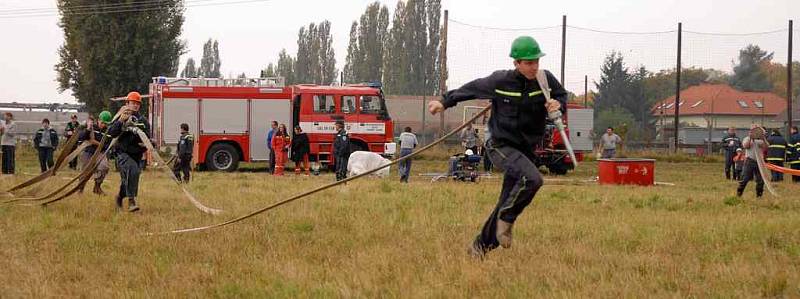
x=740 y=155
x=280 y=144
x=475 y=145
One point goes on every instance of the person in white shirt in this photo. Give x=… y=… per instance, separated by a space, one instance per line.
x=408 y=141
x=8 y=131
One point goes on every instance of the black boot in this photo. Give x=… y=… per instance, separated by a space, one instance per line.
x=98 y=188
x=118 y=202
x=132 y=207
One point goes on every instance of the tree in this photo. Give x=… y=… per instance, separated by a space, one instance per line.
x=316 y=62
x=395 y=62
x=748 y=74
x=301 y=67
x=286 y=67
x=327 y=57
x=210 y=63
x=614 y=87
x=354 y=56
x=109 y=54
x=189 y=71
x=269 y=71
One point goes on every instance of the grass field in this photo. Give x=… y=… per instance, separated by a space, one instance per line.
x=380 y=238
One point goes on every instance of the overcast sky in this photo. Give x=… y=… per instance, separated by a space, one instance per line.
x=252 y=34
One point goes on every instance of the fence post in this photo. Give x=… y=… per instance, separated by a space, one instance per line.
x=678 y=87
x=563 y=46
x=443 y=69
x=789 y=84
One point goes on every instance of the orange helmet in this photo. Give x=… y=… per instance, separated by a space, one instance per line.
x=134 y=97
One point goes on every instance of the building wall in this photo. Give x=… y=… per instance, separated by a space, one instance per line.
x=723 y=121
x=30 y=121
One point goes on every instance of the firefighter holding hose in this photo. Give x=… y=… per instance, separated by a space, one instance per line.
x=519 y=114
x=129 y=149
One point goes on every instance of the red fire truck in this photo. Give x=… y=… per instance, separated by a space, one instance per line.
x=230 y=118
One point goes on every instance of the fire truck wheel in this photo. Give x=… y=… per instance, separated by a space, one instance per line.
x=222 y=157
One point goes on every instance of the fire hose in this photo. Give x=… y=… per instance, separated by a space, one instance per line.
x=555 y=116
x=86 y=174
x=328 y=186
x=62 y=156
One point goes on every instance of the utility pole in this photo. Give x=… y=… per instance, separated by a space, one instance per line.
x=678 y=88
x=443 y=69
x=563 y=46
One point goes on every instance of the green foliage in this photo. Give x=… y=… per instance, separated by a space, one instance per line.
x=269 y=71
x=411 y=63
x=210 y=63
x=189 y=71
x=109 y=54
x=748 y=74
x=316 y=62
x=365 y=51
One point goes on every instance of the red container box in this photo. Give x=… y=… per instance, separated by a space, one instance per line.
x=627 y=171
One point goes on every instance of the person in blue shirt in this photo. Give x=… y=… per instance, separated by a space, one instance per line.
x=269 y=146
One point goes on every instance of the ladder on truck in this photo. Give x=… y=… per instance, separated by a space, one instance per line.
x=221 y=82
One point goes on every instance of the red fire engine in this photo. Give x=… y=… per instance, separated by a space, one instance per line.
x=230 y=118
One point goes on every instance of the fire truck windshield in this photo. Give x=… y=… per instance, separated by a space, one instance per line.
x=372 y=105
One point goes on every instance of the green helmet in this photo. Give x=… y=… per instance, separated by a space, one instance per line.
x=525 y=48
x=105 y=116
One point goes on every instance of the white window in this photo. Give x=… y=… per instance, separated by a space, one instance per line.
x=370 y=105
x=742 y=103
x=758 y=104
x=324 y=104
x=348 y=104
x=697 y=104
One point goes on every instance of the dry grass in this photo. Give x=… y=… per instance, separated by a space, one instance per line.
x=380 y=238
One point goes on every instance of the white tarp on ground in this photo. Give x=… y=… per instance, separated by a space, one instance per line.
x=361 y=162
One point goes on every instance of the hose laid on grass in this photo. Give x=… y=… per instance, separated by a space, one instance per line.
x=62 y=156
x=321 y=188
x=165 y=166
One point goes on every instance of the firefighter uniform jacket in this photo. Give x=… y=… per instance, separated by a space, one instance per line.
x=341 y=144
x=793 y=150
x=71 y=128
x=98 y=136
x=731 y=147
x=186 y=145
x=518 y=115
x=129 y=142
x=777 y=148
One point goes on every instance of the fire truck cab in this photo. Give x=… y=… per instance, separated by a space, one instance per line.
x=231 y=118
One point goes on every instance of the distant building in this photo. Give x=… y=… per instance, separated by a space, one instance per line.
x=709 y=109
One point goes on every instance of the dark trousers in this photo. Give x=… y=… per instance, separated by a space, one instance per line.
x=45 y=158
x=271 y=161
x=129 y=171
x=795 y=166
x=776 y=176
x=184 y=166
x=405 y=166
x=749 y=173
x=729 y=164
x=8 y=159
x=487 y=163
x=73 y=164
x=521 y=181
x=341 y=167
